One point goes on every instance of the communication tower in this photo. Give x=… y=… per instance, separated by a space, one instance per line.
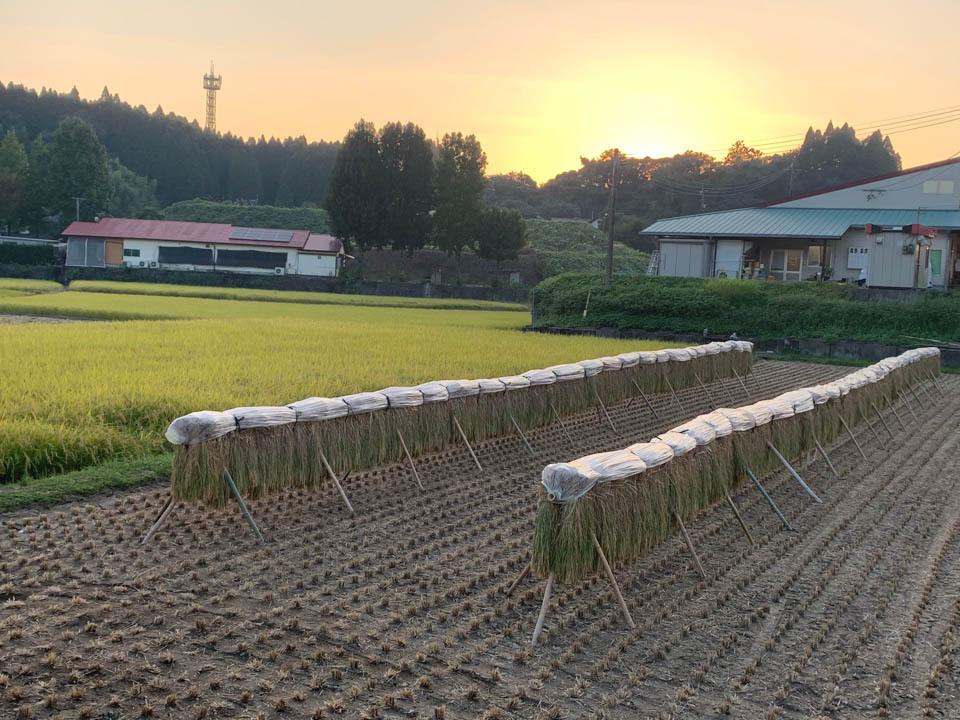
x=211 y=83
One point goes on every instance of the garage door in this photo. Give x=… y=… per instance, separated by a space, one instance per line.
x=681 y=259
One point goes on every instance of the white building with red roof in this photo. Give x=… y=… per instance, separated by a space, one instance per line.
x=177 y=245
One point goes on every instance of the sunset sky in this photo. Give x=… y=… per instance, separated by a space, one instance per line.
x=540 y=83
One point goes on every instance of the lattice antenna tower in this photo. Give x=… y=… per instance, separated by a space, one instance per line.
x=211 y=83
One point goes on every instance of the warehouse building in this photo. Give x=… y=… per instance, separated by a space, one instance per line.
x=176 y=245
x=900 y=230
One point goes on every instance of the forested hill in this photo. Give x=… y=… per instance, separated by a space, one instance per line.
x=185 y=161
x=652 y=188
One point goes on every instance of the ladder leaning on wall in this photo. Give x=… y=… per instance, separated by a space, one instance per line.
x=653 y=266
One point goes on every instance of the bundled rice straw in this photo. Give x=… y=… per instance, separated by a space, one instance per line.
x=268 y=449
x=629 y=503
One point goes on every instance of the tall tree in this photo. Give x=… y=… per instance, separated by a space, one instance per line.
x=131 y=195
x=407 y=177
x=460 y=185
x=14 y=169
x=501 y=234
x=355 y=194
x=76 y=167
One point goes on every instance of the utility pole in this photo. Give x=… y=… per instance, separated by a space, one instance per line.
x=78 y=199
x=611 y=219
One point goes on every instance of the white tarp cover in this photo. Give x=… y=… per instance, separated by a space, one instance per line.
x=629 y=359
x=819 y=393
x=200 y=427
x=831 y=389
x=611 y=363
x=402 y=397
x=264 y=416
x=615 y=465
x=515 y=382
x=662 y=356
x=647 y=357
x=365 y=402
x=760 y=412
x=679 y=354
x=721 y=423
x=540 y=377
x=779 y=408
x=433 y=392
x=591 y=367
x=316 y=408
x=652 y=453
x=703 y=432
x=488 y=386
x=801 y=400
x=568 y=481
x=460 y=388
x=739 y=418
x=571 y=371
x=680 y=443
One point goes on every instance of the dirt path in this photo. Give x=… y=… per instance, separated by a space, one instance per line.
x=400 y=610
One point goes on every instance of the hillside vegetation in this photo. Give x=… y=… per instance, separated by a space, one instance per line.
x=579 y=247
x=829 y=311
x=266 y=216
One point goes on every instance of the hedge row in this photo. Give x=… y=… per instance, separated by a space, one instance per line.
x=17 y=254
x=828 y=311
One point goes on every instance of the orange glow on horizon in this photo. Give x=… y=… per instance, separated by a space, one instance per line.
x=538 y=82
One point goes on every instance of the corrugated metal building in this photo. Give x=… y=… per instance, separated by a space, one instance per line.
x=900 y=231
x=176 y=245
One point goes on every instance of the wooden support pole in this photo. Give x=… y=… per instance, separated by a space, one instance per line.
x=903 y=399
x=723 y=384
x=916 y=397
x=882 y=420
x=522 y=436
x=469 y=446
x=406 y=452
x=852 y=437
x=896 y=414
x=796 y=475
x=673 y=392
x=686 y=536
x=518 y=580
x=929 y=394
x=543 y=609
x=936 y=380
x=243 y=507
x=613 y=581
x=864 y=417
x=164 y=512
x=706 y=392
x=742 y=383
x=564 y=427
x=336 y=480
x=736 y=512
x=604 y=408
x=786 y=523
x=645 y=399
x=826 y=458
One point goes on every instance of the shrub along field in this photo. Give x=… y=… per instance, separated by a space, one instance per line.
x=829 y=311
x=578 y=247
x=92 y=392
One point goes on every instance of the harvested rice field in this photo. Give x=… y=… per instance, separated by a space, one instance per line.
x=401 y=610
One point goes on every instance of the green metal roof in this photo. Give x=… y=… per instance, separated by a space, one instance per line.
x=794 y=222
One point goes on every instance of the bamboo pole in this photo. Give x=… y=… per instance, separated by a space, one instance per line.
x=564 y=427
x=673 y=392
x=164 y=512
x=336 y=480
x=796 y=475
x=243 y=507
x=916 y=397
x=410 y=459
x=469 y=446
x=929 y=394
x=645 y=399
x=613 y=581
x=686 y=536
x=936 y=380
x=604 y=408
x=706 y=392
x=852 y=436
x=773 y=505
x=882 y=419
x=543 y=609
x=723 y=384
x=522 y=436
x=896 y=414
x=518 y=580
x=903 y=399
x=736 y=512
x=826 y=458
x=864 y=417
x=742 y=383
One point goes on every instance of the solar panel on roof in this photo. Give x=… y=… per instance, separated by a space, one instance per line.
x=262 y=234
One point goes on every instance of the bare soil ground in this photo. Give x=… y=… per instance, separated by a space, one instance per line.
x=400 y=610
x=16 y=319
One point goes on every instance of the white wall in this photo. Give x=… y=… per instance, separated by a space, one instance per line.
x=317 y=265
x=884 y=259
x=729 y=258
x=295 y=264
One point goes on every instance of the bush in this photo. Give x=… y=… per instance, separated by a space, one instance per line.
x=828 y=311
x=17 y=254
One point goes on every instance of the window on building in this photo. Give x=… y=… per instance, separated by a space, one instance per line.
x=131 y=252
x=938 y=187
x=815 y=254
